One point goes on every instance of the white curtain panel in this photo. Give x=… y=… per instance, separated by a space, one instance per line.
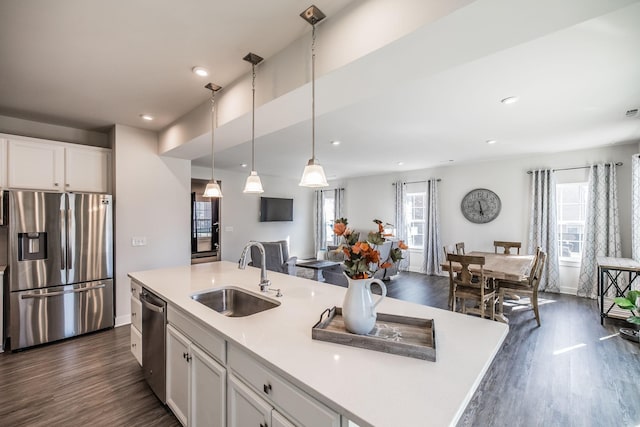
x=432 y=244
x=400 y=222
x=635 y=207
x=338 y=208
x=602 y=229
x=543 y=226
x=319 y=236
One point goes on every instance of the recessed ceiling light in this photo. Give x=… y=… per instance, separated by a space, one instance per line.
x=244 y=165
x=336 y=142
x=491 y=141
x=400 y=163
x=146 y=117
x=509 y=100
x=200 y=71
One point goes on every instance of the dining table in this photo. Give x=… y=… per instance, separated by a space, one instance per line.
x=497 y=267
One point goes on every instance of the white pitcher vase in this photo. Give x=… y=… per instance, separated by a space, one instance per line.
x=358 y=308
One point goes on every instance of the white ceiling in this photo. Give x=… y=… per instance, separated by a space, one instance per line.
x=90 y=64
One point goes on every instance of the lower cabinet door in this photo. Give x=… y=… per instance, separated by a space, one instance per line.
x=136 y=344
x=178 y=374
x=208 y=390
x=245 y=408
x=278 y=420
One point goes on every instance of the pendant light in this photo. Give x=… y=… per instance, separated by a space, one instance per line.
x=253 y=184
x=212 y=189
x=313 y=175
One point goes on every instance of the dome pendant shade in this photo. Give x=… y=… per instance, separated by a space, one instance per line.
x=313 y=175
x=253 y=184
x=212 y=190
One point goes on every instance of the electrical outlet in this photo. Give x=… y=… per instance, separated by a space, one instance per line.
x=139 y=241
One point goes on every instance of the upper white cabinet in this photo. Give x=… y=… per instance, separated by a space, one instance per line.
x=87 y=169
x=3 y=163
x=34 y=164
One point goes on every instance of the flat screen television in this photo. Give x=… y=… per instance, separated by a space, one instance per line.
x=276 y=209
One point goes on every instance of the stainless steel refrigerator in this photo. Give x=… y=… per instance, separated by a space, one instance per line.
x=60 y=253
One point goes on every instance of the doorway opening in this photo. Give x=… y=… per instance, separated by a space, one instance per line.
x=205 y=224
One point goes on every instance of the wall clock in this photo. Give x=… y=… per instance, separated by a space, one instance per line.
x=481 y=206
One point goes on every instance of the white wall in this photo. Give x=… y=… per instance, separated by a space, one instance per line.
x=239 y=219
x=373 y=197
x=152 y=200
x=15 y=126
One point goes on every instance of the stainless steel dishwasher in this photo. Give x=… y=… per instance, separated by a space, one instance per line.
x=154 y=322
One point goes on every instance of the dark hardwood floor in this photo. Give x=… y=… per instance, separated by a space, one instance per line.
x=569 y=372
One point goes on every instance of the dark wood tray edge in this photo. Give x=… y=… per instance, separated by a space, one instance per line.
x=370 y=342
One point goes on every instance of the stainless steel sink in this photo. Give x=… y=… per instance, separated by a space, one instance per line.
x=234 y=302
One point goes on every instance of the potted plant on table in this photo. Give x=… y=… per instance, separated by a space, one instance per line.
x=632 y=303
x=361 y=259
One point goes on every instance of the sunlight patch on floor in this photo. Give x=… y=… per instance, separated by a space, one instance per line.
x=567 y=349
x=611 y=336
x=525 y=303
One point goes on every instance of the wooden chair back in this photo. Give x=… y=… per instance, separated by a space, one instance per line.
x=463 y=276
x=460 y=248
x=507 y=246
x=538 y=269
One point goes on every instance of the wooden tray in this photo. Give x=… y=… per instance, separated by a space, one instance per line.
x=405 y=336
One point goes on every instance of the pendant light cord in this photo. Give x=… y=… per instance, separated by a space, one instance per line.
x=253 y=116
x=213 y=109
x=313 y=92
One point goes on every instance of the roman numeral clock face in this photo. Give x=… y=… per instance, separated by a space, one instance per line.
x=481 y=206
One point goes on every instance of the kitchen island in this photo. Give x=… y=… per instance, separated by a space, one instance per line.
x=366 y=387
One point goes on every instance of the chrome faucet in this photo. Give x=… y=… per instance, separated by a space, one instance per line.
x=242 y=263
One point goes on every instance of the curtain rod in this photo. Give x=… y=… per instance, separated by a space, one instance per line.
x=418 y=182
x=573 y=168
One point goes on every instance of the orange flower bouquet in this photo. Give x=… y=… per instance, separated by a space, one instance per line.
x=361 y=257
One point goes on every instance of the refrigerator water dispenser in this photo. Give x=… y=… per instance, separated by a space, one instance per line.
x=32 y=246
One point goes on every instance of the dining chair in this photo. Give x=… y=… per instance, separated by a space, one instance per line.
x=507 y=246
x=460 y=248
x=463 y=287
x=528 y=286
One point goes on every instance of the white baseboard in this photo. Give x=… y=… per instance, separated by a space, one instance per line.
x=568 y=290
x=123 y=320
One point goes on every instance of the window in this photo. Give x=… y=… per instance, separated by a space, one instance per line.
x=415 y=209
x=329 y=216
x=572 y=211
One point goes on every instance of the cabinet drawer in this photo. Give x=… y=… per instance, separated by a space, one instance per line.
x=136 y=314
x=136 y=290
x=136 y=344
x=207 y=339
x=294 y=403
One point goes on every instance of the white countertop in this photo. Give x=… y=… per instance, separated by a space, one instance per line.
x=369 y=387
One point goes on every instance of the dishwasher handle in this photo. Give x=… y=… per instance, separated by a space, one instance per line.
x=149 y=305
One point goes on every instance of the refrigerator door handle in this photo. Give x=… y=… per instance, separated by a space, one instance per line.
x=70 y=291
x=150 y=306
x=69 y=224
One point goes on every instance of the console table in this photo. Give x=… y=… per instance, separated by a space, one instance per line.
x=610 y=271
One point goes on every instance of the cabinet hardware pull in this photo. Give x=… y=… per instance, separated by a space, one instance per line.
x=188 y=358
x=133 y=314
x=264 y=425
x=55 y=184
x=184 y=355
x=266 y=388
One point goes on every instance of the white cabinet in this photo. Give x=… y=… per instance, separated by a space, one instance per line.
x=87 y=169
x=195 y=383
x=177 y=374
x=296 y=405
x=34 y=164
x=136 y=322
x=246 y=408
x=3 y=163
